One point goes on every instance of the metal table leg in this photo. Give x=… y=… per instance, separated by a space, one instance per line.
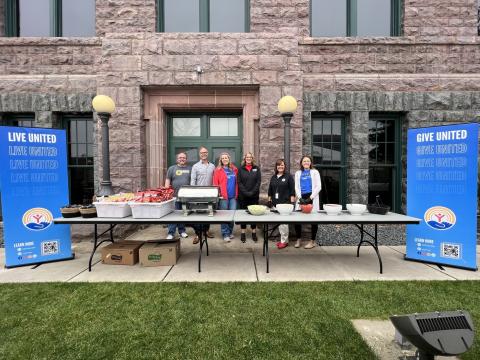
x=96 y=244
x=206 y=240
x=203 y=239
x=374 y=244
x=265 y=231
x=265 y=248
x=200 y=248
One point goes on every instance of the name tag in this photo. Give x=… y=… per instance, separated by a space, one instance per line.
x=254 y=169
x=283 y=180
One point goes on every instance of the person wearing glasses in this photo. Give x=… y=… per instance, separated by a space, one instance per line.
x=202 y=175
x=177 y=176
x=249 y=179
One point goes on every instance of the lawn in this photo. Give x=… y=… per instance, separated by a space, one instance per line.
x=211 y=321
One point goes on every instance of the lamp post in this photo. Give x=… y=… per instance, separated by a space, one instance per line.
x=287 y=106
x=104 y=106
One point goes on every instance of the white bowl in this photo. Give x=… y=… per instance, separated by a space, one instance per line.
x=356 y=209
x=332 y=209
x=284 y=209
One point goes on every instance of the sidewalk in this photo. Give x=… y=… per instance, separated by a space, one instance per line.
x=235 y=261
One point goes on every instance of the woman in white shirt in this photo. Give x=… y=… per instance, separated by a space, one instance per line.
x=307 y=187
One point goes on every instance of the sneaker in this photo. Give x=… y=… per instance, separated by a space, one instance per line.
x=254 y=237
x=232 y=236
x=310 y=245
x=226 y=239
x=169 y=237
x=281 y=245
x=243 y=237
x=184 y=235
x=298 y=243
x=196 y=240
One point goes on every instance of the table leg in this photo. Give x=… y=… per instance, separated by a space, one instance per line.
x=265 y=232
x=206 y=240
x=361 y=239
x=265 y=249
x=94 y=247
x=200 y=248
x=374 y=244
x=96 y=244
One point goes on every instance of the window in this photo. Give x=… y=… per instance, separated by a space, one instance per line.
x=218 y=132
x=80 y=134
x=50 y=18
x=203 y=15
x=329 y=156
x=355 y=17
x=384 y=166
x=21 y=120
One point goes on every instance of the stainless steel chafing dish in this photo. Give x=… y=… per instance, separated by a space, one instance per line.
x=198 y=199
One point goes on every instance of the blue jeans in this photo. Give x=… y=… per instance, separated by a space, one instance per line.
x=230 y=204
x=173 y=227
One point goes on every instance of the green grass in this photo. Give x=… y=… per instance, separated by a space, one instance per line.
x=211 y=321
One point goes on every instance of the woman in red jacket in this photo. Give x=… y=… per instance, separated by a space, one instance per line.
x=225 y=177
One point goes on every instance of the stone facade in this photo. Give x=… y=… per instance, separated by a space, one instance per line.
x=430 y=75
x=2 y=18
x=440 y=17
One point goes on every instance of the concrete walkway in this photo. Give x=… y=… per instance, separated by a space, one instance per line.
x=241 y=262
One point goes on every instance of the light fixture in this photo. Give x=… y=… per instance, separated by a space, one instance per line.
x=287 y=106
x=104 y=106
x=445 y=333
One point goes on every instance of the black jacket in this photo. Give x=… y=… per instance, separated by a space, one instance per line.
x=249 y=182
x=284 y=186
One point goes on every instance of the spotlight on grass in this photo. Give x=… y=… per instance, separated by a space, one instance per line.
x=445 y=333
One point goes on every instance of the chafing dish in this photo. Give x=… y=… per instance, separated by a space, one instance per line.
x=199 y=199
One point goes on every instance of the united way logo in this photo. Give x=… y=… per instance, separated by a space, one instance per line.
x=37 y=219
x=440 y=218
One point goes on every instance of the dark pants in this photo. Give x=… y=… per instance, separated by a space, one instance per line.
x=298 y=228
x=243 y=204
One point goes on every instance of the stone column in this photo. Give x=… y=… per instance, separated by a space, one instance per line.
x=357 y=157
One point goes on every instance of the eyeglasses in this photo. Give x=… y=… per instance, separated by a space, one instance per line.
x=203 y=152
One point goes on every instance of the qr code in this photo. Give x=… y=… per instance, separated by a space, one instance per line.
x=50 y=247
x=451 y=251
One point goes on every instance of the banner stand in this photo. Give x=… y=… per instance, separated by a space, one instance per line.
x=438 y=264
x=34 y=187
x=41 y=262
x=442 y=191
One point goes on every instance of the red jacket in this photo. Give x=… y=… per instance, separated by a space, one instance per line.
x=220 y=180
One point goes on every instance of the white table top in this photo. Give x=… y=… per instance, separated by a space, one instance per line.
x=221 y=216
x=241 y=216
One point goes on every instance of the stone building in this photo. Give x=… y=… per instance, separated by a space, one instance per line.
x=185 y=73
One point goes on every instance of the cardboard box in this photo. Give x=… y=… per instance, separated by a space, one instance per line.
x=121 y=253
x=160 y=254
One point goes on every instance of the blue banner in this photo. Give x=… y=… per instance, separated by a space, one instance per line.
x=442 y=191
x=34 y=186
